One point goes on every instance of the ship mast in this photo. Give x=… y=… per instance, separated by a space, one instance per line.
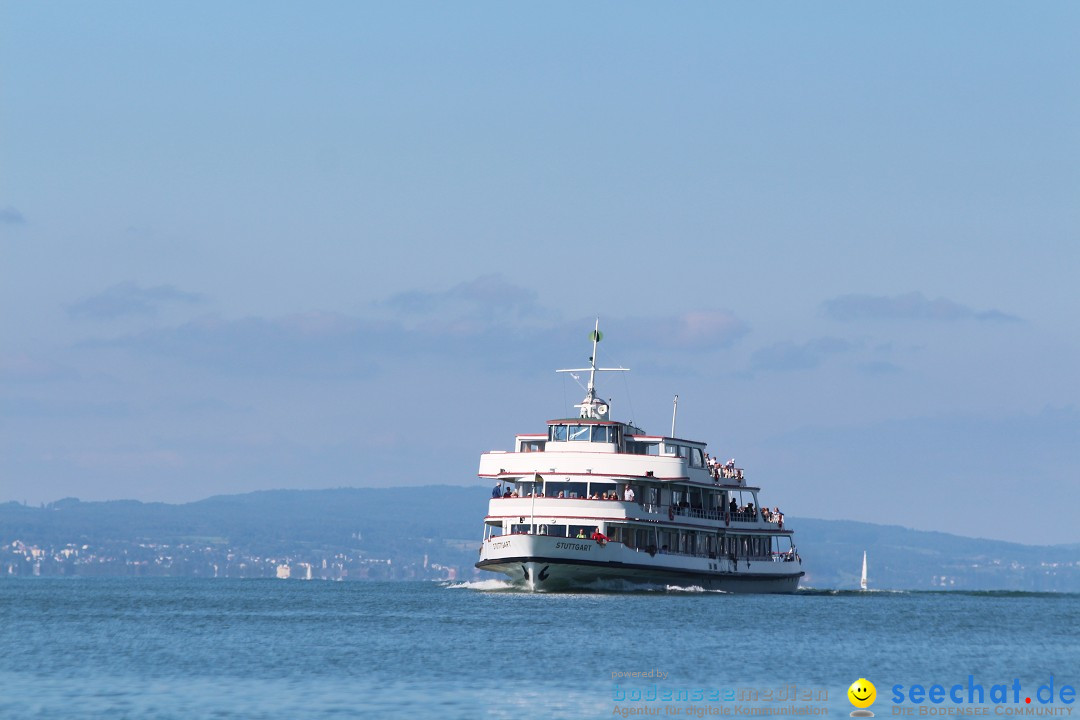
x=592 y=408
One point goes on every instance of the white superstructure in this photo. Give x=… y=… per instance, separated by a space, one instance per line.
x=595 y=500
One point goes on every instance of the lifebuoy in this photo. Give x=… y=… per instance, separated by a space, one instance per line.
x=727 y=519
x=671 y=512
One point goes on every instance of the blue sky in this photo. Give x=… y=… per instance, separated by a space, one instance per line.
x=271 y=245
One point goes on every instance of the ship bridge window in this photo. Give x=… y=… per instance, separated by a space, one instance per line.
x=557 y=433
x=580 y=433
x=643 y=448
x=696 y=458
x=676 y=449
x=603 y=433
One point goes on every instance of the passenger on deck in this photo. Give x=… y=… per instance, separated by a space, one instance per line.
x=733 y=507
x=562 y=494
x=629 y=494
x=599 y=536
x=497 y=490
x=581 y=533
x=508 y=492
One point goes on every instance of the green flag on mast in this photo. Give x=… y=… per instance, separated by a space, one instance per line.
x=596 y=336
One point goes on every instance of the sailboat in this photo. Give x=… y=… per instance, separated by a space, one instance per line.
x=862 y=581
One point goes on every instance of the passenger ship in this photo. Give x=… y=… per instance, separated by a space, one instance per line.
x=595 y=503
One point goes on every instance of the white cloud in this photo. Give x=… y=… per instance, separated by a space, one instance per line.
x=910 y=306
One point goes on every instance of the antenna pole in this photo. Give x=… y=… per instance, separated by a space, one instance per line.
x=591 y=408
x=674 y=412
x=592 y=360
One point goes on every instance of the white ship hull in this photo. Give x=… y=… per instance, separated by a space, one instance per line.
x=595 y=504
x=553 y=564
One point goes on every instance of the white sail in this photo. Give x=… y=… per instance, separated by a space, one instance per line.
x=862 y=581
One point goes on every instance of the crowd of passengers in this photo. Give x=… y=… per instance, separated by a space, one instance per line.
x=746 y=513
x=721 y=470
x=509 y=492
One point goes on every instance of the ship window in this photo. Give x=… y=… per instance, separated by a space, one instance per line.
x=642 y=448
x=582 y=531
x=532 y=446
x=667 y=540
x=678 y=450
x=601 y=487
x=579 y=433
x=696 y=459
x=565 y=489
x=603 y=433
x=557 y=433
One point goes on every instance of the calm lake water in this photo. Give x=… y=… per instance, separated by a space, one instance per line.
x=172 y=648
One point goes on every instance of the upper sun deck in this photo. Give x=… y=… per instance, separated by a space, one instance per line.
x=582 y=446
x=594 y=444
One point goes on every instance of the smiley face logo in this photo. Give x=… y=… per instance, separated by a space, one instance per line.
x=862 y=693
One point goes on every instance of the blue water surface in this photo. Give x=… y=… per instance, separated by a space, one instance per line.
x=178 y=648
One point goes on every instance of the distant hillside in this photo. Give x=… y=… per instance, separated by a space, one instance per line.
x=407 y=523
x=268 y=522
x=899 y=558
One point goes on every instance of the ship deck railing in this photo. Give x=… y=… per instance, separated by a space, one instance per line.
x=725 y=515
x=726 y=472
x=717 y=515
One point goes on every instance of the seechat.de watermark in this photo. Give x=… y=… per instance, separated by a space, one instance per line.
x=1052 y=698
x=969 y=698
